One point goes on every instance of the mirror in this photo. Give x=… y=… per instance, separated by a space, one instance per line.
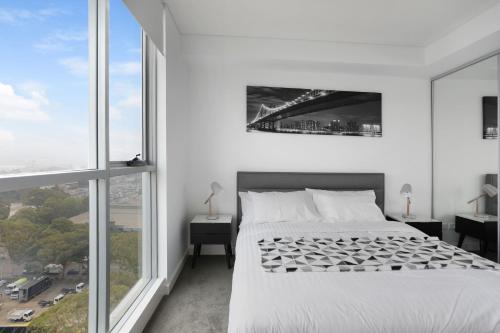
x=465 y=156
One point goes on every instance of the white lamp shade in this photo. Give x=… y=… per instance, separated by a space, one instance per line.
x=490 y=190
x=406 y=190
x=216 y=188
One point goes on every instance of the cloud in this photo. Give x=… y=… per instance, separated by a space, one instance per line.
x=133 y=101
x=125 y=68
x=18 y=107
x=114 y=113
x=77 y=66
x=61 y=41
x=18 y=16
x=6 y=136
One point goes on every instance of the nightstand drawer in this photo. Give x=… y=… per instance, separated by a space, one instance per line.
x=434 y=229
x=210 y=228
x=221 y=238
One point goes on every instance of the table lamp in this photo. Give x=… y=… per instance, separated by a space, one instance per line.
x=216 y=189
x=406 y=192
x=489 y=190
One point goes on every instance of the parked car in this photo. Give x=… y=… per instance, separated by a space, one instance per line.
x=2 y=283
x=14 y=294
x=15 y=285
x=58 y=298
x=45 y=303
x=79 y=287
x=66 y=291
x=21 y=315
x=73 y=272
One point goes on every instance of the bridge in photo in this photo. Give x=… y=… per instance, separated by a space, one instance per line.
x=309 y=102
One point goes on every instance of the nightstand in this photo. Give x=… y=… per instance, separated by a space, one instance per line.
x=205 y=231
x=482 y=227
x=427 y=225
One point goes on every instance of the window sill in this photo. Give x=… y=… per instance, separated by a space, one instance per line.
x=141 y=310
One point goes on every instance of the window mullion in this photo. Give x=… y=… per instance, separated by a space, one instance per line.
x=103 y=162
x=93 y=198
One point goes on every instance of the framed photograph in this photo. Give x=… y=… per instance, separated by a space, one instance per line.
x=314 y=111
x=490 y=117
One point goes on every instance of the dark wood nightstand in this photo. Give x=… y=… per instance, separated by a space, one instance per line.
x=205 y=231
x=482 y=227
x=427 y=225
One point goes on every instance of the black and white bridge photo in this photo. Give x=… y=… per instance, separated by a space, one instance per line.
x=314 y=111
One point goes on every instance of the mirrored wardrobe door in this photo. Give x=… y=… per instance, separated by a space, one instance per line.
x=465 y=156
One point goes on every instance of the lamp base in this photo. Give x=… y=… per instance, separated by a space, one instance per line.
x=411 y=217
x=482 y=216
x=212 y=217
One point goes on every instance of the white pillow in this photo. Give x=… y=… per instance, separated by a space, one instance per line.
x=363 y=193
x=283 y=206
x=347 y=209
x=246 y=208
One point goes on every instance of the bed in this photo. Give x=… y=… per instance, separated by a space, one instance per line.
x=422 y=300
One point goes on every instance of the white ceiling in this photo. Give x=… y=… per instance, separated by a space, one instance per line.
x=384 y=22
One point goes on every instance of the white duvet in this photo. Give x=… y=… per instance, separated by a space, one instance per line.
x=442 y=300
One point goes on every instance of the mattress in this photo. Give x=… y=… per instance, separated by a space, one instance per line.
x=440 y=300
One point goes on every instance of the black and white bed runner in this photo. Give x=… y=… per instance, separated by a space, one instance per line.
x=365 y=254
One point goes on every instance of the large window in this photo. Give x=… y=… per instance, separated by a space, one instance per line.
x=125 y=83
x=43 y=86
x=44 y=250
x=76 y=223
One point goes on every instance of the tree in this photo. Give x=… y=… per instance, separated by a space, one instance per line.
x=125 y=250
x=4 y=210
x=37 y=197
x=20 y=237
x=63 y=242
x=61 y=224
x=26 y=213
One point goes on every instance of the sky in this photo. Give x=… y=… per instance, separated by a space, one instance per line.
x=44 y=108
x=363 y=113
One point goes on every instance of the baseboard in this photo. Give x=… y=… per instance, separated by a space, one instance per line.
x=169 y=284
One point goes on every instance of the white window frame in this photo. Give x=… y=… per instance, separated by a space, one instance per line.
x=101 y=169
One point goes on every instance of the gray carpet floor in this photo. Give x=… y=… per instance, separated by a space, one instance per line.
x=199 y=302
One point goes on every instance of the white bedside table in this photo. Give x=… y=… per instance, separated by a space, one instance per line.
x=205 y=231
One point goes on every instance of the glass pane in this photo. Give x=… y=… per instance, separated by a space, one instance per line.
x=43 y=86
x=465 y=163
x=126 y=220
x=125 y=83
x=44 y=245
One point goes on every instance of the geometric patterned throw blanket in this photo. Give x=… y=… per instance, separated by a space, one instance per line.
x=364 y=254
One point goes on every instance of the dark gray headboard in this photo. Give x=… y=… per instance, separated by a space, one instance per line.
x=296 y=181
x=491 y=207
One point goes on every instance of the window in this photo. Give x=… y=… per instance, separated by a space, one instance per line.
x=126 y=226
x=44 y=251
x=44 y=86
x=125 y=83
x=76 y=224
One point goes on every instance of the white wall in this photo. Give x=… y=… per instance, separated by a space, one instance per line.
x=219 y=145
x=461 y=156
x=172 y=155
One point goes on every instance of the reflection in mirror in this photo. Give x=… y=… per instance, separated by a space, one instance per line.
x=465 y=156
